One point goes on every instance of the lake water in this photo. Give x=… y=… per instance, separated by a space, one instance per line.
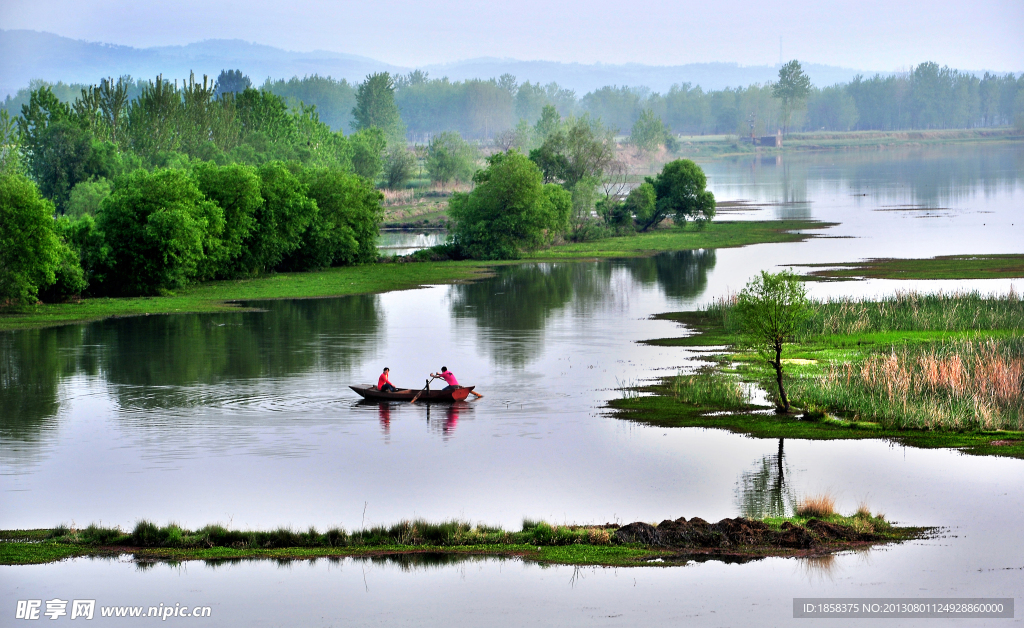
x=246 y=419
x=406 y=242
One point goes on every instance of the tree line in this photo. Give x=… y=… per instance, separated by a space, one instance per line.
x=927 y=96
x=112 y=195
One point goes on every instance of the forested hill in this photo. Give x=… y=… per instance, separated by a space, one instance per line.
x=27 y=55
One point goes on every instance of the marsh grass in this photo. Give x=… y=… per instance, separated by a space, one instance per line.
x=902 y=312
x=961 y=384
x=968 y=374
x=913 y=311
x=452 y=533
x=710 y=388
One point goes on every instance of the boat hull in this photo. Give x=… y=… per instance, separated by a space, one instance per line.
x=429 y=396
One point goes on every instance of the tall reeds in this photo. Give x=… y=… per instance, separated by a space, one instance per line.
x=956 y=384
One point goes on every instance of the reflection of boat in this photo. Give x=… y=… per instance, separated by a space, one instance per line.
x=367 y=391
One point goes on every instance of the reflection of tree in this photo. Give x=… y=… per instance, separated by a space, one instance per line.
x=32 y=364
x=289 y=338
x=765 y=492
x=512 y=308
x=681 y=274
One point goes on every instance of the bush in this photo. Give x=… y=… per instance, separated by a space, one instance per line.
x=30 y=251
x=160 y=227
x=449 y=158
x=280 y=222
x=398 y=166
x=510 y=210
x=236 y=190
x=346 y=224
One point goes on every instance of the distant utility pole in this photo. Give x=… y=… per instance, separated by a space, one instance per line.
x=780 y=50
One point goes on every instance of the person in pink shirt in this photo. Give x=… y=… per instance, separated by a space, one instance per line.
x=449 y=377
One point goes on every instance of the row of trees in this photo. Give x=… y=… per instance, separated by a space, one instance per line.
x=925 y=97
x=164 y=229
x=103 y=132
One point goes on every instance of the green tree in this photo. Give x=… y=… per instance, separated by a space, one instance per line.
x=550 y=122
x=232 y=82
x=86 y=197
x=159 y=226
x=376 y=107
x=648 y=132
x=449 y=157
x=771 y=308
x=642 y=205
x=792 y=89
x=281 y=220
x=42 y=110
x=583 y=148
x=10 y=145
x=153 y=119
x=509 y=211
x=368 y=147
x=679 y=188
x=398 y=166
x=61 y=160
x=29 y=249
x=347 y=221
x=235 y=188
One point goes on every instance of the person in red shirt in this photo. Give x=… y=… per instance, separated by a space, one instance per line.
x=383 y=383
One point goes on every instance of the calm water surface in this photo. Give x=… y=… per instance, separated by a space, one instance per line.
x=246 y=419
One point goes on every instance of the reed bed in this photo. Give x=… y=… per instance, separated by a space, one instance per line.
x=398 y=197
x=404 y=533
x=913 y=311
x=903 y=311
x=959 y=384
x=709 y=388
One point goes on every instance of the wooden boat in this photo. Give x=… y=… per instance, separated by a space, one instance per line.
x=367 y=391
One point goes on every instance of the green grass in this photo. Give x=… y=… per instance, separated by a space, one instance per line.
x=944 y=267
x=219 y=296
x=715 y=235
x=537 y=541
x=709 y=389
x=922 y=370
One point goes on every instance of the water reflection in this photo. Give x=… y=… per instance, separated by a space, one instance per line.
x=764 y=492
x=928 y=176
x=446 y=417
x=32 y=365
x=181 y=361
x=681 y=274
x=512 y=309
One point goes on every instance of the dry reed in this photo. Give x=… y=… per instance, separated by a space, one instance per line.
x=823 y=505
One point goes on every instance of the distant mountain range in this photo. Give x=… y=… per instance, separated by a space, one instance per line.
x=26 y=55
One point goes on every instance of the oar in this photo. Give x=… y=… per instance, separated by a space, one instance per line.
x=422 y=391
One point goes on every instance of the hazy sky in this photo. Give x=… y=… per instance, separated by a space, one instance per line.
x=879 y=35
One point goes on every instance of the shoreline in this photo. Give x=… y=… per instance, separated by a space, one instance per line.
x=636 y=544
x=391 y=275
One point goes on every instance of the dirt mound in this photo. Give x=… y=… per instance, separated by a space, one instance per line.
x=737 y=533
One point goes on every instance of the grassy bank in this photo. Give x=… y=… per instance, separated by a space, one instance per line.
x=922 y=370
x=382 y=277
x=943 y=267
x=809 y=532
